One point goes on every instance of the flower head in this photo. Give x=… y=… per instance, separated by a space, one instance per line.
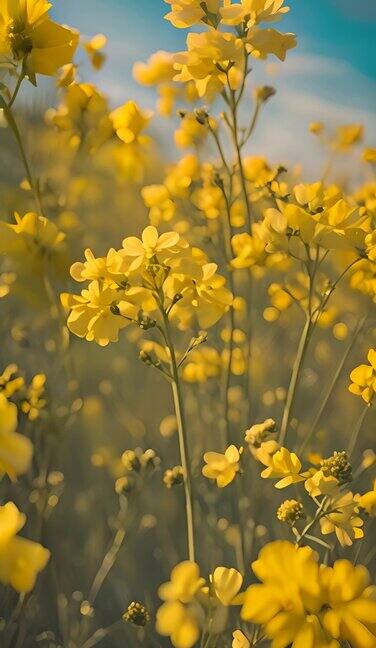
x=222 y=467
x=16 y=450
x=285 y=466
x=364 y=378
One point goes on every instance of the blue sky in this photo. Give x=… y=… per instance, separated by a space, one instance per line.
x=331 y=75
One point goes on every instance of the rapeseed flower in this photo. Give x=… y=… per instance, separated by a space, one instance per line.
x=21 y=560
x=16 y=450
x=285 y=466
x=363 y=378
x=343 y=520
x=186 y=13
x=222 y=467
x=367 y=501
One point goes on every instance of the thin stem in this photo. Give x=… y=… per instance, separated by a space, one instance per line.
x=107 y=564
x=331 y=387
x=356 y=431
x=295 y=375
x=183 y=446
x=8 y=114
x=237 y=145
x=312 y=523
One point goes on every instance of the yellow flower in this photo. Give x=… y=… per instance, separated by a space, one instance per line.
x=203 y=364
x=260 y=43
x=34 y=403
x=369 y=155
x=8 y=383
x=158 y=69
x=288 y=602
x=319 y=483
x=31 y=235
x=252 y=11
x=249 y=251
x=151 y=243
x=213 y=60
x=368 y=501
x=364 y=378
x=157 y=199
x=351 y=611
x=178 y=622
x=347 y=136
x=226 y=583
x=222 y=467
x=184 y=584
x=29 y=36
x=16 y=450
x=240 y=640
x=94 y=48
x=99 y=313
x=343 y=521
x=106 y=269
x=190 y=132
x=20 y=559
x=286 y=467
x=129 y=121
x=316 y=128
x=185 y=13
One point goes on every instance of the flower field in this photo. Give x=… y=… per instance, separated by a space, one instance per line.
x=188 y=348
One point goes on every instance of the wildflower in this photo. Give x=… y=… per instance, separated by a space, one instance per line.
x=129 y=121
x=123 y=485
x=31 y=235
x=260 y=43
x=320 y=483
x=367 y=501
x=240 y=640
x=288 y=601
x=286 y=467
x=351 y=607
x=369 y=155
x=226 y=584
x=99 y=313
x=191 y=132
x=21 y=560
x=212 y=60
x=236 y=13
x=177 y=617
x=131 y=460
x=347 y=136
x=260 y=432
x=173 y=476
x=338 y=466
x=203 y=364
x=10 y=384
x=290 y=511
x=364 y=378
x=16 y=450
x=94 y=48
x=222 y=467
x=33 y=404
x=143 y=250
x=343 y=520
x=137 y=614
x=157 y=199
x=158 y=69
x=29 y=36
x=106 y=269
x=185 y=13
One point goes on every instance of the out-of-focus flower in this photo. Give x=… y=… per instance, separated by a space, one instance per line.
x=222 y=467
x=369 y=155
x=158 y=69
x=93 y=49
x=363 y=378
x=185 y=13
x=30 y=236
x=285 y=466
x=129 y=121
x=347 y=136
x=367 y=501
x=34 y=403
x=316 y=128
x=173 y=476
x=157 y=199
x=177 y=617
x=203 y=364
x=16 y=450
x=9 y=383
x=29 y=36
x=351 y=606
x=343 y=521
x=21 y=560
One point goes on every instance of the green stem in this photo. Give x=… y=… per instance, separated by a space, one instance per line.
x=183 y=445
x=295 y=375
x=8 y=114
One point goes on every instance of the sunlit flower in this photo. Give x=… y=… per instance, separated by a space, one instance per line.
x=185 y=13
x=21 y=560
x=367 y=501
x=351 y=610
x=29 y=36
x=261 y=43
x=16 y=450
x=344 y=520
x=158 y=69
x=252 y=11
x=213 y=60
x=129 y=121
x=94 y=48
x=285 y=466
x=364 y=378
x=222 y=467
x=151 y=243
